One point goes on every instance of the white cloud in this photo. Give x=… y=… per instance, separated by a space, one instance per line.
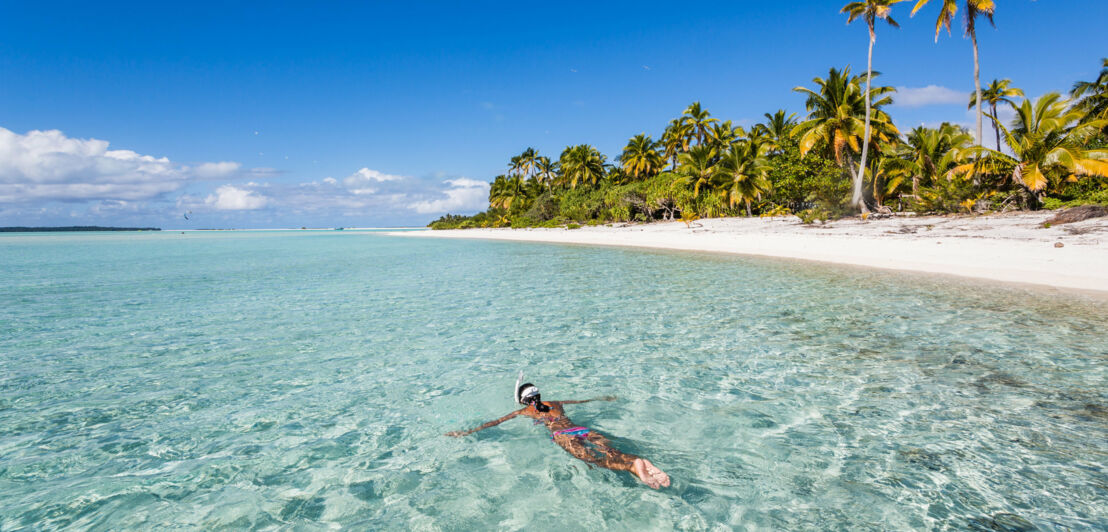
x=49 y=166
x=230 y=198
x=330 y=180
x=365 y=175
x=359 y=182
x=216 y=170
x=264 y=172
x=929 y=95
x=463 y=195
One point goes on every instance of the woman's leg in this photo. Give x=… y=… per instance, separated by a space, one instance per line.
x=594 y=450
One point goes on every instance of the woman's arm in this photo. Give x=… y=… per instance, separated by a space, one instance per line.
x=606 y=398
x=493 y=423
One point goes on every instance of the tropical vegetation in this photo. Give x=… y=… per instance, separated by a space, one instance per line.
x=843 y=155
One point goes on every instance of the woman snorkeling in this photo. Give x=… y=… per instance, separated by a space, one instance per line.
x=583 y=443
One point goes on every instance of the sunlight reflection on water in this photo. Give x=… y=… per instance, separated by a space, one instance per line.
x=249 y=380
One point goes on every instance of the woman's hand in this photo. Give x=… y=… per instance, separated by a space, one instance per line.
x=456 y=433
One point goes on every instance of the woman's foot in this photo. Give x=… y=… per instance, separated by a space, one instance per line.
x=649 y=474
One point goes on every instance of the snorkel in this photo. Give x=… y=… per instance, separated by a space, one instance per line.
x=528 y=394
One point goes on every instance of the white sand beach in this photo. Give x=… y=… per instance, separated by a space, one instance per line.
x=1011 y=247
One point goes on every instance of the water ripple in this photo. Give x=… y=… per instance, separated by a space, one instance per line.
x=304 y=380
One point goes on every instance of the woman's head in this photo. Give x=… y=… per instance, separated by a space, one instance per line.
x=528 y=394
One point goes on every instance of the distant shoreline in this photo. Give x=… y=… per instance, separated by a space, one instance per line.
x=73 y=228
x=1011 y=248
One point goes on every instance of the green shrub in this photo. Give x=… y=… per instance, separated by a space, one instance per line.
x=809 y=216
x=795 y=179
x=544 y=208
x=573 y=226
x=521 y=222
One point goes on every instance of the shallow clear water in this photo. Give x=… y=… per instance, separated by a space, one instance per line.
x=287 y=379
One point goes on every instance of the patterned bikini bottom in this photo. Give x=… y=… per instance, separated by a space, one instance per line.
x=577 y=432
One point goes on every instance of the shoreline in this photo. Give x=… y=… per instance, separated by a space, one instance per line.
x=1009 y=248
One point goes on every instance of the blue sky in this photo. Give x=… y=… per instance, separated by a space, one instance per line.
x=392 y=113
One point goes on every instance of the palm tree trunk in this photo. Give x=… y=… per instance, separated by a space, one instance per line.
x=857 y=200
x=977 y=83
x=748 y=213
x=996 y=127
x=876 y=195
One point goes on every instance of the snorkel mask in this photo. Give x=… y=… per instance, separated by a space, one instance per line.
x=528 y=394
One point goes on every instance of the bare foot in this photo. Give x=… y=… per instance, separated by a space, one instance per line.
x=652 y=476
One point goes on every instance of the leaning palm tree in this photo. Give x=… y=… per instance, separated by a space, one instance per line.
x=698 y=167
x=1049 y=142
x=946 y=16
x=835 y=124
x=1093 y=95
x=999 y=91
x=641 y=158
x=743 y=174
x=870 y=11
x=700 y=119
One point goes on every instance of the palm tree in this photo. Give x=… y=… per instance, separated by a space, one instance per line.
x=675 y=139
x=581 y=164
x=721 y=135
x=776 y=128
x=870 y=11
x=496 y=193
x=890 y=171
x=1049 y=139
x=933 y=152
x=997 y=92
x=836 y=116
x=946 y=16
x=700 y=119
x=527 y=161
x=1093 y=95
x=545 y=171
x=515 y=165
x=744 y=172
x=698 y=166
x=641 y=157
x=506 y=190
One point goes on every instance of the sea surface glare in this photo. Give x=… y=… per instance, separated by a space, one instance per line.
x=262 y=380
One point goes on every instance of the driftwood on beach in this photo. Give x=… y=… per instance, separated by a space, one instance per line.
x=1077 y=214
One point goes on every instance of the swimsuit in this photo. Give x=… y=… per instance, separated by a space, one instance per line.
x=577 y=432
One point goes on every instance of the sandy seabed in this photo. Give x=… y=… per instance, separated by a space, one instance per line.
x=1013 y=247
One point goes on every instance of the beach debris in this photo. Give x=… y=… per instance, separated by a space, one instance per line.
x=1059 y=245
x=1077 y=214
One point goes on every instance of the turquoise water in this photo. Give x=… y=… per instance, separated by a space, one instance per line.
x=304 y=380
